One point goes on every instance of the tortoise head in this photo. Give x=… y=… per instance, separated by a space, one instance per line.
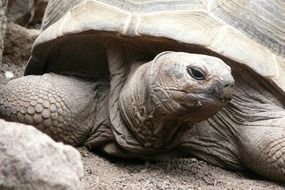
x=190 y=86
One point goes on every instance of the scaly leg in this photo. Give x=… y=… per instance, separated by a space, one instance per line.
x=61 y=106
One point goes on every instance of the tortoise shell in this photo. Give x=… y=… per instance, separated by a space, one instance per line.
x=231 y=29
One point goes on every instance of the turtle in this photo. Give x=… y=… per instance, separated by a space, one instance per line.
x=160 y=79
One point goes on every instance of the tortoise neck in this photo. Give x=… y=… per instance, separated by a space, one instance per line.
x=153 y=128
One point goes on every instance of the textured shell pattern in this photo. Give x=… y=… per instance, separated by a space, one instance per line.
x=248 y=32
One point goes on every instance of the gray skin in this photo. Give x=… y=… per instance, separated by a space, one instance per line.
x=156 y=99
x=174 y=105
x=159 y=101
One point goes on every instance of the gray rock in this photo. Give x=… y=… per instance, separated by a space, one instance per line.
x=38 y=12
x=30 y=159
x=18 y=44
x=19 y=10
x=28 y=13
x=3 y=6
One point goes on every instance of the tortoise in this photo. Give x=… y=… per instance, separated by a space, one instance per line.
x=160 y=79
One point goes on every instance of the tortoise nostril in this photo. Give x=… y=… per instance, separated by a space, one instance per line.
x=227 y=91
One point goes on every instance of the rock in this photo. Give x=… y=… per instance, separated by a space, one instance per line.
x=9 y=75
x=16 y=70
x=38 y=12
x=30 y=160
x=3 y=6
x=18 y=44
x=26 y=13
x=19 y=10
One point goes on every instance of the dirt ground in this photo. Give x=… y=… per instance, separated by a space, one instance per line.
x=102 y=172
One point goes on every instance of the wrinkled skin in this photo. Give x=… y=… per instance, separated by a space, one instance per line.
x=158 y=96
x=159 y=112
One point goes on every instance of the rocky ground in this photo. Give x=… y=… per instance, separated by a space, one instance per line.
x=102 y=172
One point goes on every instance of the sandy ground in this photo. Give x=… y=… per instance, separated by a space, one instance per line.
x=190 y=173
x=102 y=172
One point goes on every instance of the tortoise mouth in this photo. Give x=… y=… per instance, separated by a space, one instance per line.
x=199 y=113
x=189 y=101
x=213 y=101
x=225 y=99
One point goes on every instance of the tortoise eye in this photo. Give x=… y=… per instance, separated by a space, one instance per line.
x=196 y=73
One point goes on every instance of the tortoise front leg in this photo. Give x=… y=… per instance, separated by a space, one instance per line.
x=226 y=141
x=263 y=150
x=61 y=106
